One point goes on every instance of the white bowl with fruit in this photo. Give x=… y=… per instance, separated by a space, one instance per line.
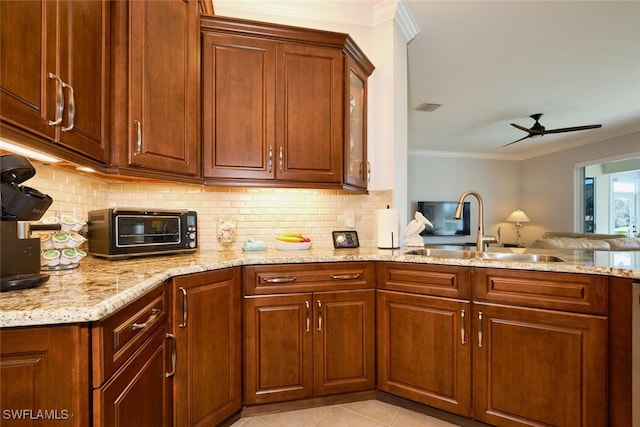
x=293 y=242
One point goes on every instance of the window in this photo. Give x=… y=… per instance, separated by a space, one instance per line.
x=624 y=206
x=610 y=196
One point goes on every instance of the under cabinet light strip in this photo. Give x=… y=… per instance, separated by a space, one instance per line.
x=27 y=152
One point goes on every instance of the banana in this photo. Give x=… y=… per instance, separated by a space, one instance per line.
x=293 y=235
x=291 y=239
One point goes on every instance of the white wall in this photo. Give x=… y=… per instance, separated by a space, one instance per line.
x=543 y=187
x=446 y=178
x=547 y=182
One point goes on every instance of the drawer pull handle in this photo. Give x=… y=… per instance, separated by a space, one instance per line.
x=480 y=329
x=462 y=331
x=59 y=100
x=281 y=279
x=319 y=315
x=345 y=276
x=185 y=307
x=306 y=303
x=174 y=356
x=155 y=313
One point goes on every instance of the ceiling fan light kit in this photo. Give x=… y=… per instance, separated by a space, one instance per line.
x=538 y=130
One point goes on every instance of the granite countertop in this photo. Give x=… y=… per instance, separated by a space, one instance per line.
x=99 y=287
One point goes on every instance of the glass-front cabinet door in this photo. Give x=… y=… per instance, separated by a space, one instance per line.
x=357 y=169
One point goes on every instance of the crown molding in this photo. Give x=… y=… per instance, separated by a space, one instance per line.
x=404 y=19
x=366 y=13
x=461 y=155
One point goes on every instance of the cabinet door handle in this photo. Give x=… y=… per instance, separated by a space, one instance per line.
x=319 y=315
x=345 y=276
x=174 y=356
x=306 y=303
x=71 y=107
x=281 y=159
x=270 y=160
x=138 y=137
x=155 y=313
x=184 y=308
x=480 y=329
x=281 y=279
x=462 y=331
x=59 y=100
x=368 y=172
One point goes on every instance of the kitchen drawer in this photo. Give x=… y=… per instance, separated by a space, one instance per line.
x=427 y=279
x=283 y=278
x=118 y=336
x=581 y=293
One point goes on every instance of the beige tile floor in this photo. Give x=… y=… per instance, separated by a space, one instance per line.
x=368 y=413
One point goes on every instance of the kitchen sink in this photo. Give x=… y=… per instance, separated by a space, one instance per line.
x=498 y=256
x=445 y=253
x=502 y=256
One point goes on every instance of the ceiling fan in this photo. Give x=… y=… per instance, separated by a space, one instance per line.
x=538 y=130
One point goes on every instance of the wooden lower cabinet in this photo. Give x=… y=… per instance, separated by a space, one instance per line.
x=308 y=344
x=139 y=393
x=133 y=364
x=44 y=376
x=528 y=348
x=425 y=349
x=278 y=348
x=206 y=323
x=538 y=367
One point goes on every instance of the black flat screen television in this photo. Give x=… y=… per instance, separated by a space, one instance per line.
x=441 y=216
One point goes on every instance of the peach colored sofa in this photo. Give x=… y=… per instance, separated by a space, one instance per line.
x=587 y=241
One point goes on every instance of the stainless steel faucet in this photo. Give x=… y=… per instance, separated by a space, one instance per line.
x=482 y=240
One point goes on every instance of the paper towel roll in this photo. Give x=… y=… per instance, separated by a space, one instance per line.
x=388 y=226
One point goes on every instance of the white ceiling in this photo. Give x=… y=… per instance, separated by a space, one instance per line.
x=492 y=63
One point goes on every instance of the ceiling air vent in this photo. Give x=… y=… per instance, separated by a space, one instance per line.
x=428 y=107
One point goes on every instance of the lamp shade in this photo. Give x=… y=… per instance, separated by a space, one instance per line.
x=517 y=216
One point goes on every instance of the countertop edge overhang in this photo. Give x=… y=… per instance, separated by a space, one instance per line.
x=99 y=287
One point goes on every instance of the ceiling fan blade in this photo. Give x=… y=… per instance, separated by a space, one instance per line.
x=521 y=127
x=506 y=145
x=571 y=129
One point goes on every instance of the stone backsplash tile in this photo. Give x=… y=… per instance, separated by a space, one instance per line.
x=261 y=213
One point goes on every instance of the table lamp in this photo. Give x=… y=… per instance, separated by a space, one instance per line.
x=518 y=217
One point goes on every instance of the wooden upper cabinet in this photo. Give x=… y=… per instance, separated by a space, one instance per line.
x=309 y=110
x=273 y=104
x=84 y=65
x=156 y=74
x=27 y=55
x=357 y=169
x=238 y=124
x=54 y=77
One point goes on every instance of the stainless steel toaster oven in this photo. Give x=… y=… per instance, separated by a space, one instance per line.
x=117 y=233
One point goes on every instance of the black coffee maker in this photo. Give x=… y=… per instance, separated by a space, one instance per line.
x=20 y=254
